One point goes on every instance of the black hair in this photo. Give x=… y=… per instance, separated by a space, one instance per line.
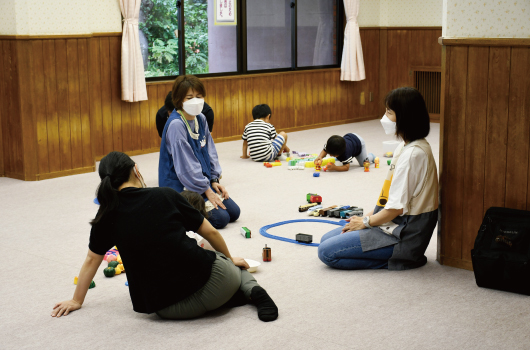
x=114 y=170
x=412 y=117
x=336 y=145
x=261 y=111
x=168 y=103
x=195 y=201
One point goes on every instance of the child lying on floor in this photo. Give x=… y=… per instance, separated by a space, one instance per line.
x=345 y=149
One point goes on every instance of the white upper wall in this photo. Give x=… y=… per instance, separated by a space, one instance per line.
x=486 y=19
x=400 y=13
x=56 y=17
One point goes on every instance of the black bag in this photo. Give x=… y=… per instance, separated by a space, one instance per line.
x=501 y=255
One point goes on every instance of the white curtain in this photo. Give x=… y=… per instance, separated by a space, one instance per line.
x=352 y=66
x=133 y=87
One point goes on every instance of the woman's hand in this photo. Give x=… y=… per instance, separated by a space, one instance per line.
x=65 y=307
x=214 y=199
x=241 y=263
x=221 y=190
x=354 y=224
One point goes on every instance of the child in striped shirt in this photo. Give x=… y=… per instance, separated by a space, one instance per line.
x=261 y=138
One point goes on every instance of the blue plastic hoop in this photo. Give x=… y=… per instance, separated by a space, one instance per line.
x=263 y=230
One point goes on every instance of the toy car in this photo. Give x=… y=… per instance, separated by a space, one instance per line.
x=306 y=207
x=315 y=199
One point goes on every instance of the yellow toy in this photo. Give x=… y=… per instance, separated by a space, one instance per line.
x=324 y=162
x=376 y=161
x=75 y=280
x=366 y=165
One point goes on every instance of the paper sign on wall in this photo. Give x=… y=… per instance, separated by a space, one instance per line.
x=225 y=12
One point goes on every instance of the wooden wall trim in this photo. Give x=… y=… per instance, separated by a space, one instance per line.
x=517 y=42
x=59 y=36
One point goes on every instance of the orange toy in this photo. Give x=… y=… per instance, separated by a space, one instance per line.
x=366 y=165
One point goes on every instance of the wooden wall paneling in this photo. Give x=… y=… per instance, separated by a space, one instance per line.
x=63 y=104
x=454 y=148
x=316 y=106
x=115 y=84
x=323 y=109
x=40 y=108
x=517 y=155
x=84 y=103
x=126 y=126
x=331 y=80
x=136 y=135
x=241 y=104
x=224 y=85
x=309 y=117
x=269 y=94
x=51 y=101
x=2 y=108
x=475 y=146
x=418 y=39
x=297 y=104
x=76 y=138
x=277 y=108
x=383 y=71
x=106 y=95
x=233 y=96
x=144 y=123
x=26 y=107
x=246 y=117
x=94 y=80
x=12 y=129
x=154 y=104
x=327 y=86
x=497 y=127
x=213 y=100
x=288 y=84
x=161 y=93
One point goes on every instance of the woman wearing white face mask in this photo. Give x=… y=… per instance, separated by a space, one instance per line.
x=188 y=158
x=397 y=232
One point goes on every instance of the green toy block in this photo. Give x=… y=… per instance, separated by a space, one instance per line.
x=245 y=232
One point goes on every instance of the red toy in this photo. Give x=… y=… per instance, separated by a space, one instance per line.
x=315 y=199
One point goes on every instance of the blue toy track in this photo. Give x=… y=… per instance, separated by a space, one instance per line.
x=263 y=230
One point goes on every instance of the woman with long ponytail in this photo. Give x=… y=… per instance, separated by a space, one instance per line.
x=150 y=224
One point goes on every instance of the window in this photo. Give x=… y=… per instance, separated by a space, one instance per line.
x=268 y=34
x=238 y=36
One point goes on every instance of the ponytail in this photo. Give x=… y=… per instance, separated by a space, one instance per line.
x=114 y=170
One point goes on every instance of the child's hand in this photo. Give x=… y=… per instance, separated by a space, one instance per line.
x=318 y=161
x=244 y=156
x=331 y=166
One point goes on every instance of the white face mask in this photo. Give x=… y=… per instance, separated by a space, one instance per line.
x=193 y=106
x=388 y=125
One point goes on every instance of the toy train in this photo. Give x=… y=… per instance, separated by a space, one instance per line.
x=313 y=198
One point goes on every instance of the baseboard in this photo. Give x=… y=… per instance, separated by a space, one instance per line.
x=16 y=176
x=458 y=263
x=84 y=170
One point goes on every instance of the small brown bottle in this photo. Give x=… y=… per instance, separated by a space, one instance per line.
x=266 y=253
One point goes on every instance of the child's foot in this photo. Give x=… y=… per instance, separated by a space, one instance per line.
x=267 y=309
x=371 y=157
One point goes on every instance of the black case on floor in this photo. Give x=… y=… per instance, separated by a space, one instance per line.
x=501 y=254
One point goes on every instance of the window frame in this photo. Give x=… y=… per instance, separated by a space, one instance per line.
x=241 y=44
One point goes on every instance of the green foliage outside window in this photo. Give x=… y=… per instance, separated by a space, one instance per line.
x=159 y=27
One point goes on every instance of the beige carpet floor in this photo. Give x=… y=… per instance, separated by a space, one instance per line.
x=44 y=232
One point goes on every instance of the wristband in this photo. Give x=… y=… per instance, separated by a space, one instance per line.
x=214 y=180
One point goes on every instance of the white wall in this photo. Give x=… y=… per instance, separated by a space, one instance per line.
x=486 y=19
x=400 y=13
x=53 y=17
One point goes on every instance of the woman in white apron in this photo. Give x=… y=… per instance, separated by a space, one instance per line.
x=397 y=232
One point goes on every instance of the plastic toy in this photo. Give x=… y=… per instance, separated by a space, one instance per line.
x=92 y=285
x=343 y=213
x=266 y=253
x=305 y=207
x=314 y=209
x=355 y=212
x=376 y=161
x=245 y=232
x=325 y=161
x=109 y=271
x=308 y=197
x=127 y=283
x=366 y=165
x=388 y=161
x=318 y=168
x=324 y=212
x=325 y=168
x=271 y=164
x=268 y=165
x=113 y=263
x=264 y=233
x=122 y=268
x=75 y=280
x=389 y=154
x=336 y=212
x=314 y=198
x=316 y=174
x=303 y=238
x=111 y=252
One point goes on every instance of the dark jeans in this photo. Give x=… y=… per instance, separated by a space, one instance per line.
x=220 y=217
